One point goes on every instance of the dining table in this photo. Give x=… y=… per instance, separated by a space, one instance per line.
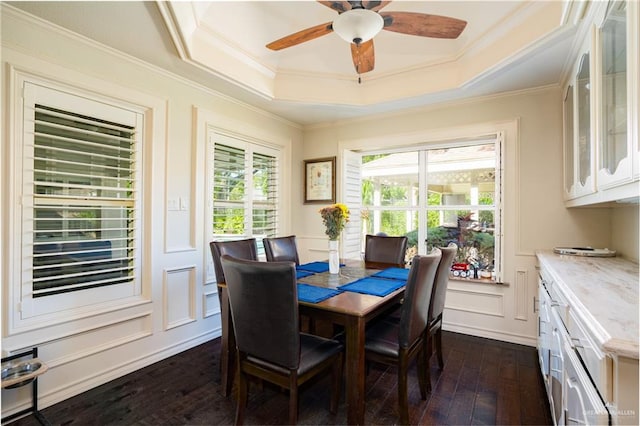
x=337 y=304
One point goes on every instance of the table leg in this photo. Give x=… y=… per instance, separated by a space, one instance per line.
x=227 y=358
x=355 y=370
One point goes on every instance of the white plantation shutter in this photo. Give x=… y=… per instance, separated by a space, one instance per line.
x=229 y=190
x=265 y=195
x=351 y=241
x=81 y=189
x=83 y=202
x=245 y=179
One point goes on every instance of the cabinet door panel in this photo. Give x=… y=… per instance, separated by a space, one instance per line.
x=583 y=404
x=569 y=168
x=585 y=183
x=615 y=146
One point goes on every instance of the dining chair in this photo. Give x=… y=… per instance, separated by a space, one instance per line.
x=280 y=249
x=436 y=307
x=398 y=343
x=242 y=249
x=264 y=306
x=384 y=251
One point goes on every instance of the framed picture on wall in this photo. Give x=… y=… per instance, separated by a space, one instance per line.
x=320 y=180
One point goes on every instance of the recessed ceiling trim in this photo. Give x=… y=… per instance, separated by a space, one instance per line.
x=176 y=27
x=495 y=50
x=233 y=50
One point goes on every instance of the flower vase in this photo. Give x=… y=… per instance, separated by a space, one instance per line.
x=334 y=259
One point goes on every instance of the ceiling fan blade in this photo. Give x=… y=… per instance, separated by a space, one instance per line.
x=363 y=56
x=301 y=36
x=375 y=5
x=422 y=24
x=338 y=6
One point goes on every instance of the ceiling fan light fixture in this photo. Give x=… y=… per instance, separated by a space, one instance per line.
x=358 y=25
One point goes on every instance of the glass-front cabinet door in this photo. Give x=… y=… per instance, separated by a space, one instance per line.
x=585 y=183
x=569 y=168
x=633 y=80
x=614 y=145
x=601 y=108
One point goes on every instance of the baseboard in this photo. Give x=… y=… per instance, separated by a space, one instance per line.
x=490 y=334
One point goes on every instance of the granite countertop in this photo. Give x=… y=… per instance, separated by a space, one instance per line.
x=603 y=293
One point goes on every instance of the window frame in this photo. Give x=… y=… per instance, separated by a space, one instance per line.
x=250 y=146
x=26 y=311
x=422 y=208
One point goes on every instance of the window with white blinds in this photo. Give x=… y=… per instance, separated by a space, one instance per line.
x=83 y=202
x=245 y=190
x=81 y=162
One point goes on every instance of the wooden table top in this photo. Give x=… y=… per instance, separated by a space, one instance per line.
x=347 y=302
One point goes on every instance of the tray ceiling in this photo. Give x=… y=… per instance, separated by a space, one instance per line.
x=506 y=46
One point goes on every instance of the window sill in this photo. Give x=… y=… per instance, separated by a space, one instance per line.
x=478 y=281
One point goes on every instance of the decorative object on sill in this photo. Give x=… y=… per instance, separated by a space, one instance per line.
x=334 y=218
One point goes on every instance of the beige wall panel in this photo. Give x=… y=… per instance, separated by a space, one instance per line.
x=534 y=213
x=625 y=222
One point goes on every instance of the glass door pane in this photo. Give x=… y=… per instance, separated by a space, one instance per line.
x=614 y=88
x=390 y=195
x=461 y=204
x=569 y=177
x=583 y=85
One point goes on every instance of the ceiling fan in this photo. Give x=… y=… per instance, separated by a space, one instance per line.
x=359 y=21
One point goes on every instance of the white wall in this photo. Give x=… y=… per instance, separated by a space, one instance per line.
x=535 y=216
x=93 y=348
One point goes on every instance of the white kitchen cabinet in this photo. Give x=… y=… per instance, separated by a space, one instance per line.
x=544 y=334
x=601 y=150
x=583 y=405
x=557 y=370
x=579 y=151
x=614 y=136
x=593 y=369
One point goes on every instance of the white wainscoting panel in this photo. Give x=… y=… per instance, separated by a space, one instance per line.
x=521 y=306
x=179 y=296
x=96 y=340
x=211 y=303
x=475 y=301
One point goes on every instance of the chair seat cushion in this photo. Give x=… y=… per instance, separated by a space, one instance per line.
x=382 y=338
x=313 y=351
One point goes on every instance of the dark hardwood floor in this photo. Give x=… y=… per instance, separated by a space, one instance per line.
x=484 y=382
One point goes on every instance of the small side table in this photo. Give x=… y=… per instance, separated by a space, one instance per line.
x=21 y=374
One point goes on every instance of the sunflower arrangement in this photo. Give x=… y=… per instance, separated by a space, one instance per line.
x=334 y=217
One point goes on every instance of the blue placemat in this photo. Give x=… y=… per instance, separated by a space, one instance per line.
x=316 y=267
x=373 y=285
x=393 y=273
x=314 y=294
x=302 y=274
